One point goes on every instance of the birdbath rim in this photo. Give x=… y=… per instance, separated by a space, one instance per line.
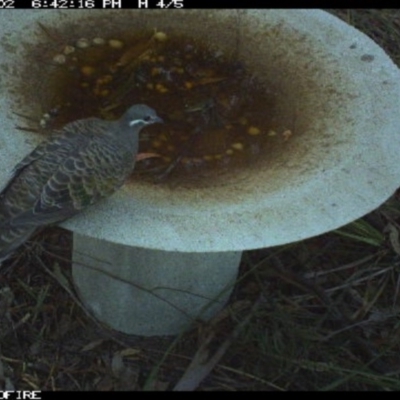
x=323 y=192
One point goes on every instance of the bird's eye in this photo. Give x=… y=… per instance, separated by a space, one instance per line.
x=147 y=119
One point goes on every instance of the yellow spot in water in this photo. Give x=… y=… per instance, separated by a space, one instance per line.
x=160 y=36
x=82 y=43
x=253 y=130
x=59 y=59
x=69 y=49
x=237 y=146
x=161 y=88
x=98 y=41
x=287 y=134
x=188 y=85
x=115 y=44
x=156 y=143
x=87 y=70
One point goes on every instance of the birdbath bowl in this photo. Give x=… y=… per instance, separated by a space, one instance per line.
x=152 y=259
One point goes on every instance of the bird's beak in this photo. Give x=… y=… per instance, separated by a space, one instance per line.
x=157 y=119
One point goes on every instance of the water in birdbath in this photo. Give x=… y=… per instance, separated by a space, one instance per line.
x=218 y=116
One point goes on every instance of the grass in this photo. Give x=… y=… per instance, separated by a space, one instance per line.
x=321 y=314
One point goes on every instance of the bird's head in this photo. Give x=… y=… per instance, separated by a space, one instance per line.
x=140 y=115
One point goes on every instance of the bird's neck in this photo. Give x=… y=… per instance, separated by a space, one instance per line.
x=128 y=135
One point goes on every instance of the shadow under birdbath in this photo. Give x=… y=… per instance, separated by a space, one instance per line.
x=155 y=257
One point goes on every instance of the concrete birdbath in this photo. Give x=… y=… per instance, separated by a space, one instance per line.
x=151 y=259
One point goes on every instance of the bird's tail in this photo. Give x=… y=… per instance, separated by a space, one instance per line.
x=11 y=237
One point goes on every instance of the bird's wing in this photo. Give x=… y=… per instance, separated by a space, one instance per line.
x=83 y=178
x=31 y=174
x=49 y=145
x=60 y=143
x=72 y=169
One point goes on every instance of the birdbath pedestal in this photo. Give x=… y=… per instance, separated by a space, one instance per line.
x=153 y=292
x=152 y=259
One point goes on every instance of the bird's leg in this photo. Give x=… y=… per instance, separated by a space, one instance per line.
x=195 y=133
x=145 y=156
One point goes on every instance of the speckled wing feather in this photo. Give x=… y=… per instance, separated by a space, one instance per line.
x=63 y=175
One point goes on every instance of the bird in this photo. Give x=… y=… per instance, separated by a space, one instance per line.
x=75 y=167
